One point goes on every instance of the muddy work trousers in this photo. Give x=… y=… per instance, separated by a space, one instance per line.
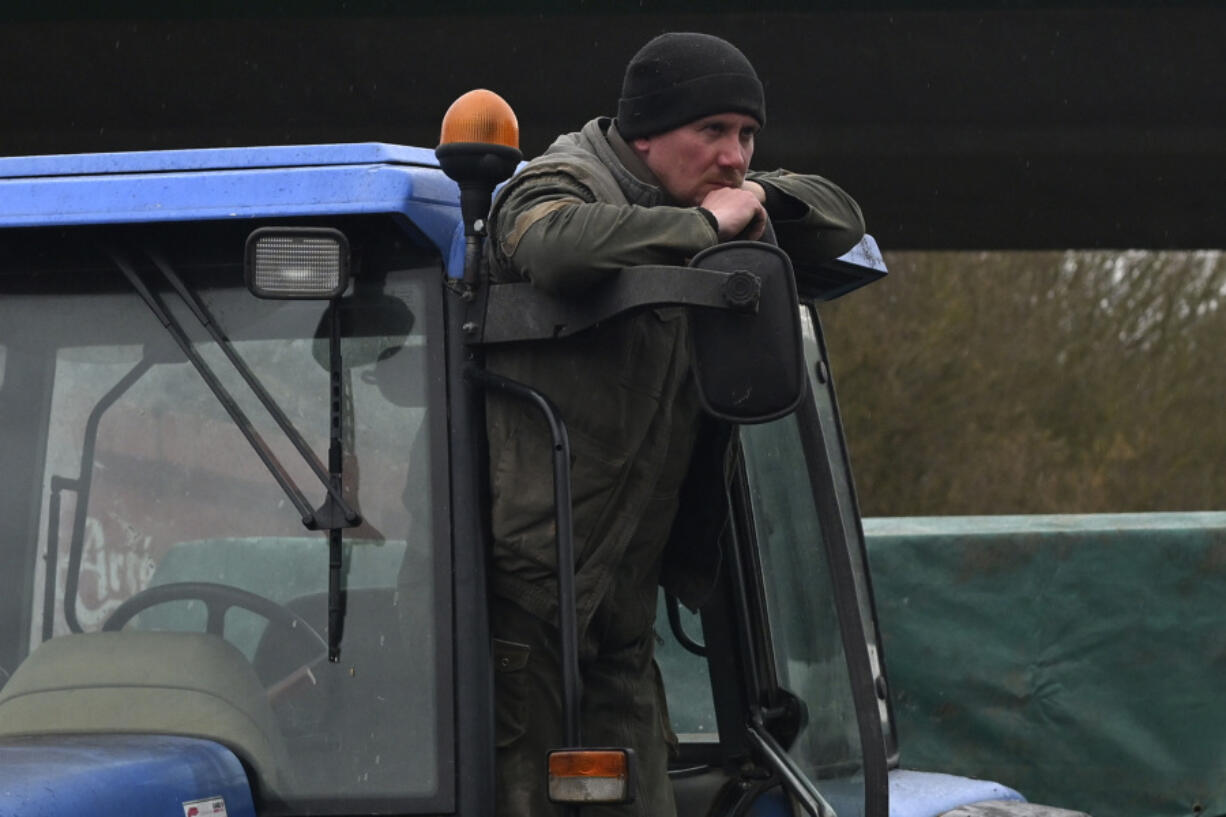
x=623 y=706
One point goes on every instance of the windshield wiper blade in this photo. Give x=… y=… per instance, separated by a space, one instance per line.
x=310 y=518
x=324 y=518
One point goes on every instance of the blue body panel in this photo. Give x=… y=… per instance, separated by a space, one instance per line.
x=119 y=776
x=235 y=183
x=912 y=794
x=927 y=794
x=166 y=161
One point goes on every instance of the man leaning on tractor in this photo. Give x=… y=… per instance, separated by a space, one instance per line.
x=667 y=178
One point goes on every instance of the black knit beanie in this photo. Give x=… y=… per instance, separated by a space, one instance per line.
x=679 y=77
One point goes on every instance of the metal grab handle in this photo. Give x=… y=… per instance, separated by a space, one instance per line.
x=567 y=618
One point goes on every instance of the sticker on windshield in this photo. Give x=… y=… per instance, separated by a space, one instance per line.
x=208 y=807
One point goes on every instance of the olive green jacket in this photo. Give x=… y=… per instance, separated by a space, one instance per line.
x=580 y=212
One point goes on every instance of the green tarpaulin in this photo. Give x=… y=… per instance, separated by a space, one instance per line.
x=1079 y=659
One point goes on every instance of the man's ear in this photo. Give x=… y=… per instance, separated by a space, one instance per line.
x=641 y=145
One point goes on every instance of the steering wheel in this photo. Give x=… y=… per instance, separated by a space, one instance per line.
x=218 y=599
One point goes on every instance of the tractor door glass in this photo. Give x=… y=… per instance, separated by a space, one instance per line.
x=828 y=417
x=147 y=509
x=809 y=659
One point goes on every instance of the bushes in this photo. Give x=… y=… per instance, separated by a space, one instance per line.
x=1035 y=382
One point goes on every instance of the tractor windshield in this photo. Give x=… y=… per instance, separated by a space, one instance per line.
x=152 y=565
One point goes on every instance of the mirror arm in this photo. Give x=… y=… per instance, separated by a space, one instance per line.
x=507 y=313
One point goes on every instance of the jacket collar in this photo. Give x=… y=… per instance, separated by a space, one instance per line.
x=600 y=138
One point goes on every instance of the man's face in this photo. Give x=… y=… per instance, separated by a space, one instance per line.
x=696 y=158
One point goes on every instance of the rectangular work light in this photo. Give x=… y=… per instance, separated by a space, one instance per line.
x=297 y=262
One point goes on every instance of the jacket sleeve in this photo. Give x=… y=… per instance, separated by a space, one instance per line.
x=551 y=232
x=814 y=219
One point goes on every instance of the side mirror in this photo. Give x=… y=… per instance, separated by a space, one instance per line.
x=749 y=364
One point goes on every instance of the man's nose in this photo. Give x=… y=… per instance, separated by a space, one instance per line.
x=732 y=155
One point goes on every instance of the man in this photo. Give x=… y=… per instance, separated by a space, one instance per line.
x=668 y=178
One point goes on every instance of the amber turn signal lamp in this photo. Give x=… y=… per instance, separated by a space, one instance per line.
x=591 y=776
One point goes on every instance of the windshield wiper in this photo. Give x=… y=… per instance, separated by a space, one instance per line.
x=323 y=518
x=335 y=513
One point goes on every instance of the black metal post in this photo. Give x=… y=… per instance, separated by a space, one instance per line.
x=336 y=599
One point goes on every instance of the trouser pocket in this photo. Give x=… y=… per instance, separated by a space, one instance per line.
x=510 y=690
